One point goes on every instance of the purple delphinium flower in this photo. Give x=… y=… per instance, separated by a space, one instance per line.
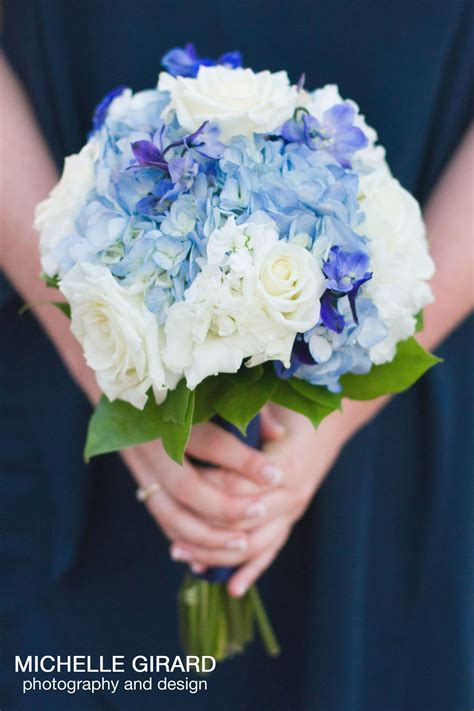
x=293 y=130
x=185 y=61
x=231 y=59
x=330 y=316
x=147 y=154
x=300 y=355
x=346 y=272
x=157 y=201
x=301 y=82
x=100 y=112
x=206 y=141
x=183 y=169
x=336 y=134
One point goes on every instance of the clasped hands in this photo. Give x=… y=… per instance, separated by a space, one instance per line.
x=241 y=511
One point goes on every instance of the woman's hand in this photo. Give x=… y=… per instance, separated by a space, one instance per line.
x=304 y=456
x=188 y=506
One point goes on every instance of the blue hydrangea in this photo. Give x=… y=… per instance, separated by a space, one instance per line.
x=329 y=354
x=160 y=192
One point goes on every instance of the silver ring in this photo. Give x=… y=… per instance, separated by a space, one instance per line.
x=144 y=492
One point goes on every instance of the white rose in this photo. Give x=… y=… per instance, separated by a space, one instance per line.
x=120 y=337
x=240 y=101
x=290 y=283
x=55 y=216
x=399 y=258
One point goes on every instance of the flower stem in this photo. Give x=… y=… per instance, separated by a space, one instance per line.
x=203 y=615
x=265 y=628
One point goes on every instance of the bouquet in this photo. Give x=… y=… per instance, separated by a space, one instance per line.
x=226 y=239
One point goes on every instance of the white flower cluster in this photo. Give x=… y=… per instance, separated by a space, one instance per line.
x=249 y=301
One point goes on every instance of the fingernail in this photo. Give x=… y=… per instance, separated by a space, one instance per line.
x=240 y=589
x=180 y=554
x=256 y=508
x=278 y=429
x=197 y=568
x=239 y=544
x=272 y=474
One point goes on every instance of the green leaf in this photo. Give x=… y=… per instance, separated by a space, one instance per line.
x=246 y=375
x=52 y=282
x=286 y=396
x=62 y=306
x=175 y=435
x=205 y=399
x=409 y=364
x=316 y=393
x=25 y=308
x=116 y=425
x=175 y=407
x=239 y=402
x=420 y=322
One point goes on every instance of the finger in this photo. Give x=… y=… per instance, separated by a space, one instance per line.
x=257 y=542
x=184 y=484
x=263 y=508
x=208 y=501
x=248 y=574
x=198 y=568
x=178 y=523
x=275 y=504
x=231 y=482
x=271 y=428
x=212 y=444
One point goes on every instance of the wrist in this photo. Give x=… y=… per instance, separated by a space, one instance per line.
x=342 y=426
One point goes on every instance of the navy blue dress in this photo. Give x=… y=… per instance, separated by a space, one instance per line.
x=373 y=595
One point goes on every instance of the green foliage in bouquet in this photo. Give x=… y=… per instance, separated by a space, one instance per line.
x=239 y=397
x=52 y=283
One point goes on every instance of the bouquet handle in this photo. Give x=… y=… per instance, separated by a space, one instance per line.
x=212 y=622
